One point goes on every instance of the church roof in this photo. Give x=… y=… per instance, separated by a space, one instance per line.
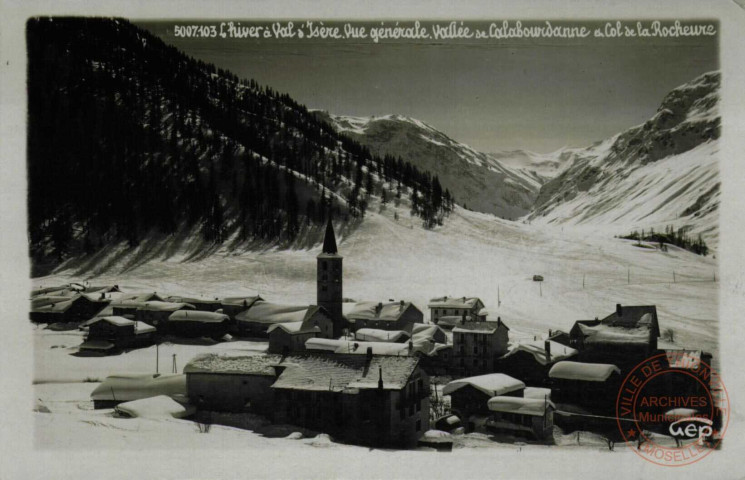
x=329 y=240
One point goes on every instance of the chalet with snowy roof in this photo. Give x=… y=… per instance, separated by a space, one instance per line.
x=127 y=304
x=111 y=334
x=365 y=399
x=393 y=316
x=477 y=345
x=591 y=386
x=377 y=335
x=469 y=396
x=195 y=323
x=232 y=306
x=202 y=304
x=255 y=321
x=622 y=339
x=157 y=313
x=75 y=308
x=470 y=307
x=329 y=281
x=531 y=360
x=232 y=384
x=291 y=337
x=525 y=417
x=426 y=331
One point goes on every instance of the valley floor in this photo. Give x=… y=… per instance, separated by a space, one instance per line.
x=472 y=254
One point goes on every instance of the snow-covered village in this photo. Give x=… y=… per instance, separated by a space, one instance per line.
x=244 y=270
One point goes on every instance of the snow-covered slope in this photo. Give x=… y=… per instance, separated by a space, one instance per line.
x=541 y=166
x=663 y=172
x=477 y=180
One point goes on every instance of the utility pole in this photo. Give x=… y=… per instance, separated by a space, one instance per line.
x=583 y=281
x=628 y=275
x=175 y=370
x=499 y=298
x=540 y=288
x=674 y=276
x=157 y=360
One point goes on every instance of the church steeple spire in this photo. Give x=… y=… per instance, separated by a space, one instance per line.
x=329 y=240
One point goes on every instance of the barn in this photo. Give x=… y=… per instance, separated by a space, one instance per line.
x=108 y=334
x=256 y=320
x=157 y=313
x=191 y=323
x=592 y=386
x=393 y=316
x=531 y=360
x=469 y=396
x=74 y=308
x=286 y=338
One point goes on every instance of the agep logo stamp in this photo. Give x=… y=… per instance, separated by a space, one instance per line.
x=673 y=409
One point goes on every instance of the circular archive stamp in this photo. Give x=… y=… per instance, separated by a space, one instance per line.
x=673 y=408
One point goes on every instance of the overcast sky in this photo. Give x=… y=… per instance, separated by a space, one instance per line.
x=502 y=95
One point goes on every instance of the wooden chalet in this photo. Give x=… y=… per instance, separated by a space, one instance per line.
x=196 y=323
x=74 y=308
x=527 y=417
x=111 y=334
x=469 y=396
x=591 y=386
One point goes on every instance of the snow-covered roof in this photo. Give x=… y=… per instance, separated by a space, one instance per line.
x=142 y=327
x=270 y=313
x=159 y=406
x=428 y=331
x=537 y=392
x=247 y=364
x=603 y=333
x=344 y=372
x=293 y=328
x=588 y=372
x=133 y=299
x=114 y=320
x=241 y=301
x=377 y=335
x=360 y=348
x=537 y=348
x=101 y=345
x=197 y=316
x=492 y=384
x=524 y=406
x=156 y=306
x=454 y=302
x=133 y=387
x=390 y=311
x=486 y=328
x=449 y=321
x=212 y=301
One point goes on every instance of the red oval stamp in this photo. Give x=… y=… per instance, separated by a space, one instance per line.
x=673 y=408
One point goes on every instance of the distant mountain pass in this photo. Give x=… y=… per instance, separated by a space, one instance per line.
x=477 y=180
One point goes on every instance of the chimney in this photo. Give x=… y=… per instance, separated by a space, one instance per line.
x=499 y=321
x=245 y=302
x=380 y=377
x=103 y=296
x=619 y=310
x=378 y=308
x=369 y=353
x=463 y=319
x=547 y=346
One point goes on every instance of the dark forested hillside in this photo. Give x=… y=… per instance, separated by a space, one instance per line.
x=129 y=138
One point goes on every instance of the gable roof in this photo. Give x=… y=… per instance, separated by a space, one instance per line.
x=114 y=320
x=456 y=302
x=271 y=313
x=388 y=312
x=633 y=316
x=537 y=348
x=422 y=331
x=589 y=372
x=247 y=364
x=610 y=334
x=344 y=372
x=241 y=301
x=156 y=306
x=378 y=335
x=524 y=406
x=197 y=316
x=60 y=304
x=492 y=384
x=354 y=347
x=293 y=328
x=487 y=328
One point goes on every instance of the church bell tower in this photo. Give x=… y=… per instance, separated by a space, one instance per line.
x=329 y=280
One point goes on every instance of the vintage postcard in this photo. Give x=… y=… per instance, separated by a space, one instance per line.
x=308 y=240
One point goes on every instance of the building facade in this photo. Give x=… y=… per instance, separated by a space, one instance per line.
x=477 y=346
